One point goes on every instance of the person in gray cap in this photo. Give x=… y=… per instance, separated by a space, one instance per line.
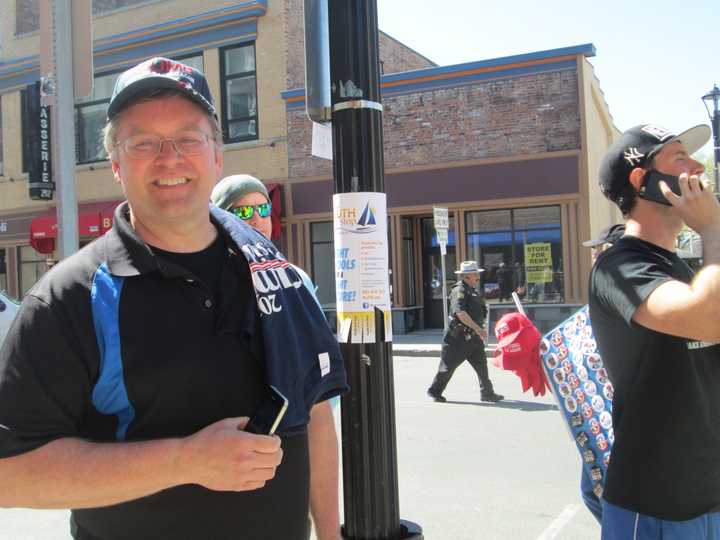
x=247 y=198
x=128 y=378
x=656 y=327
x=465 y=336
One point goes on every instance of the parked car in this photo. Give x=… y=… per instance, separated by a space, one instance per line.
x=8 y=309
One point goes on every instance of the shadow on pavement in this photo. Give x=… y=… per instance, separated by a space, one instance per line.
x=508 y=404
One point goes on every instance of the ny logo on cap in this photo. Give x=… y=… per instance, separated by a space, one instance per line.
x=656 y=131
x=633 y=156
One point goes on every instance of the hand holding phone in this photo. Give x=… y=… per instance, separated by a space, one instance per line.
x=269 y=413
x=650 y=188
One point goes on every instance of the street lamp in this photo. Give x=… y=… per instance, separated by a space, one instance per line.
x=712 y=105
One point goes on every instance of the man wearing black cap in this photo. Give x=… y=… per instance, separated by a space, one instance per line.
x=656 y=325
x=128 y=376
x=607 y=237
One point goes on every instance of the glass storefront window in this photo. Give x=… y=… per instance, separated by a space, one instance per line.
x=408 y=254
x=323 y=261
x=32 y=267
x=3 y=270
x=521 y=251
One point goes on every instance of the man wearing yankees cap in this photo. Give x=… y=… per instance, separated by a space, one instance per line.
x=656 y=325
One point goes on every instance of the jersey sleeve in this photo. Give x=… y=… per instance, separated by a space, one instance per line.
x=43 y=381
x=621 y=281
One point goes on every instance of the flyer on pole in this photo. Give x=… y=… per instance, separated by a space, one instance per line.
x=362 y=282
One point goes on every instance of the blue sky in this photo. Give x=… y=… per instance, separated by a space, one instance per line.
x=655 y=60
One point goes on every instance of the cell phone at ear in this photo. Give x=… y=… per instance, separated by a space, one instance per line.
x=269 y=413
x=650 y=189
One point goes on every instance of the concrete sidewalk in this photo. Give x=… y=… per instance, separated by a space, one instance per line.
x=426 y=343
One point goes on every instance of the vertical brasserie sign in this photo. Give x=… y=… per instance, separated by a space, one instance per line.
x=39 y=147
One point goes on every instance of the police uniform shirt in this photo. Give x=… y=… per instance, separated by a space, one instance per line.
x=467 y=299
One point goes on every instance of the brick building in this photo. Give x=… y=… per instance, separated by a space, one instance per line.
x=509 y=145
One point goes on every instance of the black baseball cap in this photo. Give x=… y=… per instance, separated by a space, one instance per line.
x=609 y=235
x=636 y=148
x=157 y=74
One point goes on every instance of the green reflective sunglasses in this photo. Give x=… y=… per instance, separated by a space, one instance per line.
x=246 y=211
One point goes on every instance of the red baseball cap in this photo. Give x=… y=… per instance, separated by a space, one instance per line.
x=518 y=339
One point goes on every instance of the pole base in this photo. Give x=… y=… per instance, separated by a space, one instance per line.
x=408 y=531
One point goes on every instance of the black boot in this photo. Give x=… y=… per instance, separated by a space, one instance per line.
x=437 y=397
x=491 y=396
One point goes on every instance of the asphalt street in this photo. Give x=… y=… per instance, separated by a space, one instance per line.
x=467 y=470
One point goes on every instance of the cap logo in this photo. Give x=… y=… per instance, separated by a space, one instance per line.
x=660 y=133
x=633 y=156
x=165 y=66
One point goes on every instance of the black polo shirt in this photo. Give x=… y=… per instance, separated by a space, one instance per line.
x=118 y=344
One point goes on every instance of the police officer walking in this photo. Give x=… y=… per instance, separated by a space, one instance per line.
x=464 y=338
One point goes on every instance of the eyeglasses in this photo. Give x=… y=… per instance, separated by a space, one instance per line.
x=148 y=145
x=246 y=211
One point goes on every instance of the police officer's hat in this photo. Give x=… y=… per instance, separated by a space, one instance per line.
x=469 y=267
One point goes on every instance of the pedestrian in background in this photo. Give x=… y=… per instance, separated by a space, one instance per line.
x=247 y=198
x=465 y=336
x=607 y=237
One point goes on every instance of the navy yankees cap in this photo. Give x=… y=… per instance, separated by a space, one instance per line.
x=636 y=148
x=157 y=74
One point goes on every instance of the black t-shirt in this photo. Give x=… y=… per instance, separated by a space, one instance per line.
x=206 y=265
x=157 y=358
x=666 y=408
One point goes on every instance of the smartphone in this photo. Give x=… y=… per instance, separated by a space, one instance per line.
x=650 y=189
x=269 y=413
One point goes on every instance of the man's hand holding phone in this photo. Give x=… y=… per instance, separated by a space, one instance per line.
x=224 y=457
x=692 y=197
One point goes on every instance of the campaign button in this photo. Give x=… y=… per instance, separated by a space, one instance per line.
x=570 y=404
x=606 y=419
x=590 y=388
x=598 y=403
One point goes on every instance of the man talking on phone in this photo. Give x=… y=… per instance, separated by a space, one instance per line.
x=656 y=325
x=129 y=374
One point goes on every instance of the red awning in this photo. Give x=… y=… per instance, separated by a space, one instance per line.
x=275 y=192
x=94 y=219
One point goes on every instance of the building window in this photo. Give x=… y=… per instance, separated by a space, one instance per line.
x=32 y=267
x=239 y=93
x=408 y=255
x=323 y=261
x=90 y=116
x=3 y=270
x=1 y=139
x=520 y=250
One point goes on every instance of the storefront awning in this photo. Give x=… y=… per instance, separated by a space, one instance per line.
x=94 y=219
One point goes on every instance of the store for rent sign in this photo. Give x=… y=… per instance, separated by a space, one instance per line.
x=538 y=263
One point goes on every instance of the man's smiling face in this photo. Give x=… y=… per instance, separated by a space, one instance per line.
x=168 y=188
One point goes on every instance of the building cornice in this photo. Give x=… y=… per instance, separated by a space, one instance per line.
x=214 y=28
x=468 y=73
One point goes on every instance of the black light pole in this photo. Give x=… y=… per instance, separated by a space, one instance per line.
x=370 y=478
x=712 y=105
